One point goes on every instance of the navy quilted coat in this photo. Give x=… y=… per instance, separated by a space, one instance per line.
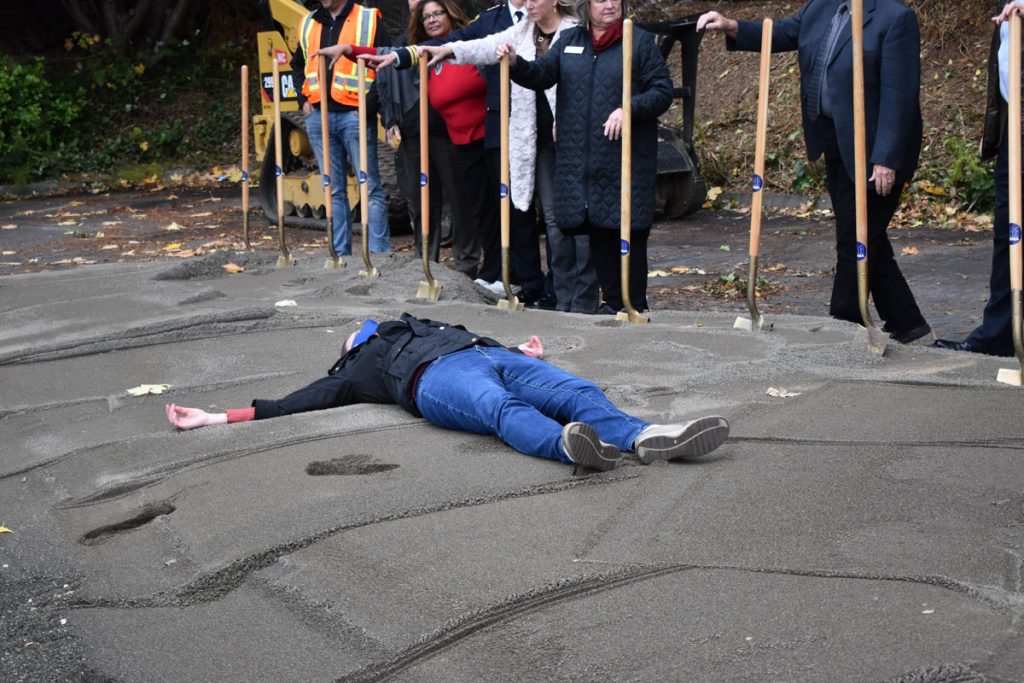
x=588 y=166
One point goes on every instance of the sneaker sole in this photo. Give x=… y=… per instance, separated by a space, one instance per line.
x=586 y=450
x=699 y=438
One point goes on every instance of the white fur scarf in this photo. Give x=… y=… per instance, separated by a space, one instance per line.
x=523 y=118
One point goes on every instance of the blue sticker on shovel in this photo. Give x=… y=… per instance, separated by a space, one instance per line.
x=423 y=179
x=624 y=247
x=1014 y=233
x=362 y=177
x=503 y=191
x=862 y=251
x=277 y=170
x=245 y=177
x=758 y=183
x=327 y=180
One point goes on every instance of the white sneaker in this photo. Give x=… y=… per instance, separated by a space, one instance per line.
x=580 y=443
x=496 y=287
x=691 y=440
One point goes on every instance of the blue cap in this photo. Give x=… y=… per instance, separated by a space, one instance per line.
x=368 y=329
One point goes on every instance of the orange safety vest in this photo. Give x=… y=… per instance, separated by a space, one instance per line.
x=360 y=28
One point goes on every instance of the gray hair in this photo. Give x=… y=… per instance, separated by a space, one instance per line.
x=583 y=11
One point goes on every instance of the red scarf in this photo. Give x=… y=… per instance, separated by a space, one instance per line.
x=608 y=38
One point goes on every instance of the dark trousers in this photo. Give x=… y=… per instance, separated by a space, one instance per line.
x=443 y=184
x=524 y=238
x=606 y=257
x=995 y=333
x=479 y=188
x=888 y=288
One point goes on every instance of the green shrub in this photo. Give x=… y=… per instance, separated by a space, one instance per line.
x=36 y=121
x=971 y=176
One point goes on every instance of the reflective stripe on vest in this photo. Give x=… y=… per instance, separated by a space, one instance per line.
x=360 y=28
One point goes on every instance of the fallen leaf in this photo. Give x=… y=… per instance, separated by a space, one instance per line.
x=285 y=303
x=658 y=273
x=233 y=268
x=173 y=247
x=5 y=530
x=68 y=223
x=911 y=251
x=9 y=252
x=201 y=214
x=725 y=247
x=144 y=389
x=9 y=226
x=174 y=227
x=781 y=393
x=99 y=234
x=108 y=247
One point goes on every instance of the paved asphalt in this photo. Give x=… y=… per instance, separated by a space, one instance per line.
x=868 y=527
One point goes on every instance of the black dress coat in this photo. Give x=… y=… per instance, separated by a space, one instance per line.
x=588 y=165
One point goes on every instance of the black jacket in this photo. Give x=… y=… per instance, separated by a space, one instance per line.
x=996 y=109
x=588 y=165
x=380 y=370
x=892 y=78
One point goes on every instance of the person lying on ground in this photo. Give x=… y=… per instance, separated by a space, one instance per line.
x=464 y=381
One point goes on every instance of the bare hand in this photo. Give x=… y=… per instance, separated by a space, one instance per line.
x=380 y=61
x=1016 y=7
x=533 y=348
x=307 y=108
x=554 y=131
x=884 y=179
x=334 y=52
x=506 y=49
x=713 y=21
x=435 y=53
x=613 y=126
x=190 y=418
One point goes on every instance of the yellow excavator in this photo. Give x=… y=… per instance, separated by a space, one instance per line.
x=303 y=186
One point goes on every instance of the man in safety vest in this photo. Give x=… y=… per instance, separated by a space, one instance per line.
x=343 y=21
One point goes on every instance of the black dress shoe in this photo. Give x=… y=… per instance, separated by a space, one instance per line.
x=967 y=346
x=544 y=302
x=910 y=336
x=951 y=345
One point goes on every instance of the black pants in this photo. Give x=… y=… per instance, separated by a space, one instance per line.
x=524 y=239
x=995 y=333
x=889 y=289
x=605 y=255
x=444 y=183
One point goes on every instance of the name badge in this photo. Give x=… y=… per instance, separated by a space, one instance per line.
x=574 y=49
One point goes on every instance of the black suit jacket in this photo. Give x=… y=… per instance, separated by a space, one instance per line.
x=892 y=79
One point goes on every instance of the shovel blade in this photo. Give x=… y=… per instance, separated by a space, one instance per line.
x=429 y=290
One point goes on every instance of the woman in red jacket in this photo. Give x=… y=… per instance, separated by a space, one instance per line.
x=458 y=93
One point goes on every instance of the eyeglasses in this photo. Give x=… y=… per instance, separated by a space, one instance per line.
x=434 y=15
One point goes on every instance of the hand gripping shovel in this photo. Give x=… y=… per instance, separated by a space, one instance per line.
x=362 y=177
x=877 y=339
x=1015 y=376
x=756 y=320
x=626 y=196
x=510 y=301
x=285 y=259
x=430 y=288
x=325 y=132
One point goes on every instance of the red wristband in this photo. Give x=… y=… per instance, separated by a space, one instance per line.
x=241 y=414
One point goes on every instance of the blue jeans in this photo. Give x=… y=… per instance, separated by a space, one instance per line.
x=343 y=127
x=522 y=400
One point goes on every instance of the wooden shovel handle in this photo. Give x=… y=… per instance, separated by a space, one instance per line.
x=424 y=158
x=762 y=138
x=1014 y=161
